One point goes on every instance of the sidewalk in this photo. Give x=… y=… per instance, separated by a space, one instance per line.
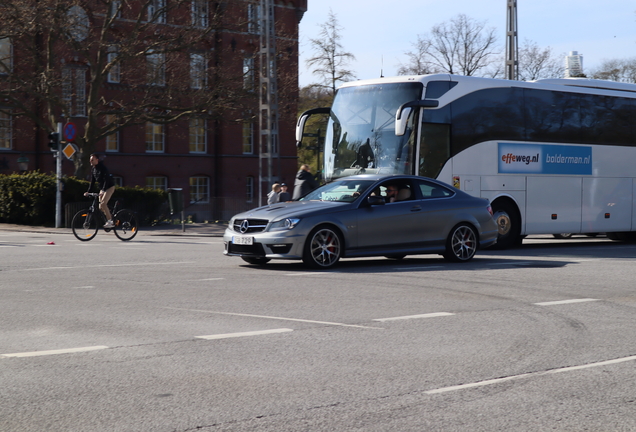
x=192 y=229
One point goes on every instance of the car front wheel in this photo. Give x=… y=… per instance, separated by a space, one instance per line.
x=461 y=244
x=323 y=248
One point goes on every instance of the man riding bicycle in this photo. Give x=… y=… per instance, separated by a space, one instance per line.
x=100 y=174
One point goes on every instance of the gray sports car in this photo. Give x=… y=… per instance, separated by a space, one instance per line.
x=365 y=215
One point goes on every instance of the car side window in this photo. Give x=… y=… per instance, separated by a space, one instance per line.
x=432 y=190
x=395 y=191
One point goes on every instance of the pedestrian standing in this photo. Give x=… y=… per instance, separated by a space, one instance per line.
x=284 y=196
x=305 y=182
x=272 y=197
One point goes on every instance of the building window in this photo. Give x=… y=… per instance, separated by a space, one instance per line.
x=249 y=193
x=112 y=140
x=198 y=135
x=199 y=190
x=74 y=91
x=253 y=18
x=248 y=137
x=157 y=11
x=114 y=73
x=157 y=182
x=156 y=69
x=119 y=181
x=6 y=131
x=248 y=73
x=6 y=56
x=154 y=137
x=198 y=68
x=200 y=13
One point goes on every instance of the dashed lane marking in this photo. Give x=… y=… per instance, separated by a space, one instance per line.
x=109 y=265
x=529 y=375
x=406 y=317
x=54 y=352
x=560 y=302
x=274 y=318
x=244 y=334
x=205 y=280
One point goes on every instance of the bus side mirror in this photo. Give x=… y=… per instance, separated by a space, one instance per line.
x=403 y=112
x=401 y=122
x=300 y=125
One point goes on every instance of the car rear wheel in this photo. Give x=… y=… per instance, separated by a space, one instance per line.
x=255 y=260
x=461 y=244
x=323 y=248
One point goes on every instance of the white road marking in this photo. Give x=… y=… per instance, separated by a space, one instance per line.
x=109 y=265
x=560 y=302
x=85 y=287
x=203 y=280
x=428 y=315
x=275 y=318
x=244 y=334
x=527 y=375
x=53 y=352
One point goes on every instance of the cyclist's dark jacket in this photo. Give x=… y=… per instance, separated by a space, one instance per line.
x=100 y=174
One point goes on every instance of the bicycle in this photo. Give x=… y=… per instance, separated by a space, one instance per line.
x=87 y=222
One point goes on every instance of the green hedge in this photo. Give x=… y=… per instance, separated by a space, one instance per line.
x=29 y=199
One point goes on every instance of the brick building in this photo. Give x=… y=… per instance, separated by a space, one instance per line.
x=215 y=159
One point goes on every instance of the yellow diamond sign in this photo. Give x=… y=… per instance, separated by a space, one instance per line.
x=69 y=150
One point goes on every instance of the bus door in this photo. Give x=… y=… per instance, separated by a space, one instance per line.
x=434 y=148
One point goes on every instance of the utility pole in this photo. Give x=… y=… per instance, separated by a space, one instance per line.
x=58 y=171
x=268 y=95
x=512 y=45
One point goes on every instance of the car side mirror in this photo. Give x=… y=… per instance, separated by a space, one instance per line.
x=376 y=200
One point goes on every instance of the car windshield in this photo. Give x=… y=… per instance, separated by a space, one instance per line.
x=339 y=191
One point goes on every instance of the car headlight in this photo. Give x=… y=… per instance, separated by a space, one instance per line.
x=284 y=224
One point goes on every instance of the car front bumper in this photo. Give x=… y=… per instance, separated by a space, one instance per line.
x=273 y=245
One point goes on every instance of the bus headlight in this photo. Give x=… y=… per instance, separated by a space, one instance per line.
x=284 y=224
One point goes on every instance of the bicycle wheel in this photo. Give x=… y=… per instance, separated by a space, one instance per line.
x=84 y=225
x=125 y=225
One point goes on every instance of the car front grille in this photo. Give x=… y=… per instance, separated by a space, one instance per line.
x=246 y=226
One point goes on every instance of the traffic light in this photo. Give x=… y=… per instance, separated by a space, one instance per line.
x=54 y=140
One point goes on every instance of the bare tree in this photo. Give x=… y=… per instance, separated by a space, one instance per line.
x=536 y=63
x=420 y=61
x=620 y=70
x=330 y=61
x=462 y=46
x=153 y=54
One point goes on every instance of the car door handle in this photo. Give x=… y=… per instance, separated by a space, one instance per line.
x=416 y=208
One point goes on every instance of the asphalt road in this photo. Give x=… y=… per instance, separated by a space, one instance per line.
x=164 y=333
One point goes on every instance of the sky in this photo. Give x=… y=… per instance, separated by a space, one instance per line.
x=379 y=32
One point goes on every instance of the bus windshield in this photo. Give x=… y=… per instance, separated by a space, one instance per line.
x=360 y=134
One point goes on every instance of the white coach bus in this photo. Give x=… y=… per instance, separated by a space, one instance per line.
x=552 y=156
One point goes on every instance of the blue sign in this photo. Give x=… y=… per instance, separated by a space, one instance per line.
x=544 y=159
x=70 y=131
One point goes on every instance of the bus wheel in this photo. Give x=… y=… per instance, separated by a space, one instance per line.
x=508 y=224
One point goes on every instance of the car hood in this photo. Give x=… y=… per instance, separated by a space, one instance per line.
x=293 y=209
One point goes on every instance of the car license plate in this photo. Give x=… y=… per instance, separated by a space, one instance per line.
x=243 y=240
